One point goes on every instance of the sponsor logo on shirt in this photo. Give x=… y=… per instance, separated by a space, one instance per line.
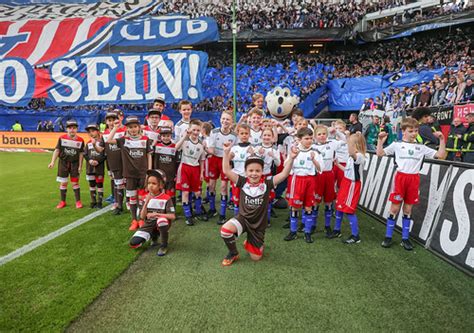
x=70 y=152
x=136 y=153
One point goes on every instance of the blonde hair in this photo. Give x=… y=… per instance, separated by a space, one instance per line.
x=340 y=123
x=358 y=141
x=256 y=111
x=409 y=123
x=320 y=128
x=256 y=96
x=229 y=113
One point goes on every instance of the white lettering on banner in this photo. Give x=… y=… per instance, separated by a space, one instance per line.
x=173 y=82
x=174 y=33
x=21 y=81
x=434 y=198
x=58 y=76
x=456 y=246
x=373 y=181
x=161 y=30
x=130 y=77
x=94 y=78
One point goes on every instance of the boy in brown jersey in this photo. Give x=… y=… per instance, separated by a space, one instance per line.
x=158 y=212
x=69 y=149
x=114 y=159
x=136 y=151
x=253 y=204
x=165 y=159
x=95 y=156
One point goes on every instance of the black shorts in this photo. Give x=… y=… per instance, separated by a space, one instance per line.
x=255 y=235
x=68 y=169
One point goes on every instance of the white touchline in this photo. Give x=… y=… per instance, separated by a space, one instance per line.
x=43 y=240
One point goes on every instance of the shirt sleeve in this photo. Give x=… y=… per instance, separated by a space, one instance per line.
x=169 y=208
x=390 y=149
x=429 y=152
x=211 y=141
x=359 y=159
x=149 y=146
x=270 y=183
x=58 y=145
x=240 y=182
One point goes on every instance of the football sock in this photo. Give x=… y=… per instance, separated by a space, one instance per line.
x=307 y=222
x=314 y=215
x=187 y=210
x=212 y=201
x=236 y=210
x=223 y=205
x=406 y=220
x=92 y=190
x=294 y=221
x=198 y=205
x=390 y=226
x=63 y=191
x=339 y=216
x=327 y=216
x=77 y=191
x=164 y=235
x=269 y=210
x=100 y=191
x=354 y=224
x=229 y=240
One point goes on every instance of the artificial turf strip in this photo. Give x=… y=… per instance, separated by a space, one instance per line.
x=29 y=194
x=296 y=287
x=47 y=288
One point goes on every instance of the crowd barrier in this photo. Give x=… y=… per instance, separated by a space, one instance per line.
x=443 y=221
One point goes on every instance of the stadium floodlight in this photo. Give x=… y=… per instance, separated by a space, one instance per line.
x=252 y=46
x=286 y=45
x=316 y=45
x=187 y=47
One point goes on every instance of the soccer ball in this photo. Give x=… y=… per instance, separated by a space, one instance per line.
x=280 y=102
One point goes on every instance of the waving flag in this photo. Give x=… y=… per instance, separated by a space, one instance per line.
x=41 y=33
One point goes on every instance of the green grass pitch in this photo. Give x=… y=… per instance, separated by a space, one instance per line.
x=88 y=280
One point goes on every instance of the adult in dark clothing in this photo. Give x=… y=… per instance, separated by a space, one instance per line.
x=355 y=125
x=425 y=132
x=468 y=146
x=455 y=140
x=468 y=95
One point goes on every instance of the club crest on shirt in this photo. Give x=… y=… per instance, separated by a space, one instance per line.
x=301 y=162
x=242 y=156
x=411 y=152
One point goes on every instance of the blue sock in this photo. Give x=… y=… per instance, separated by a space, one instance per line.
x=294 y=221
x=390 y=226
x=339 y=216
x=198 y=205
x=327 y=216
x=207 y=193
x=269 y=210
x=354 y=224
x=223 y=204
x=314 y=216
x=236 y=210
x=406 y=220
x=212 y=201
x=308 y=222
x=187 y=210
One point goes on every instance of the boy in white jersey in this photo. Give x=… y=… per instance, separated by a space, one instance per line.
x=191 y=171
x=255 y=118
x=301 y=184
x=409 y=158
x=270 y=156
x=341 y=153
x=349 y=190
x=325 y=181
x=238 y=155
x=205 y=134
x=218 y=137
x=186 y=110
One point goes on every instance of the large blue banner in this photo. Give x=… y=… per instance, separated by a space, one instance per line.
x=162 y=32
x=130 y=78
x=349 y=94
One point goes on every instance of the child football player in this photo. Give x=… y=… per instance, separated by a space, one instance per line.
x=205 y=136
x=165 y=159
x=158 y=212
x=341 y=153
x=186 y=110
x=191 y=171
x=95 y=156
x=238 y=155
x=254 y=198
x=69 y=149
x=152 y=130
x=409 y=157
x=217 y=138
x=255 y=117
x=270 y=156
x=301 y=184
x=325 y=181
x=349 y=189
x=136 y=150
x=114 y=159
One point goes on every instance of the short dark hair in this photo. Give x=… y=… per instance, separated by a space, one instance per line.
x=421 y=112
x=304 y=132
